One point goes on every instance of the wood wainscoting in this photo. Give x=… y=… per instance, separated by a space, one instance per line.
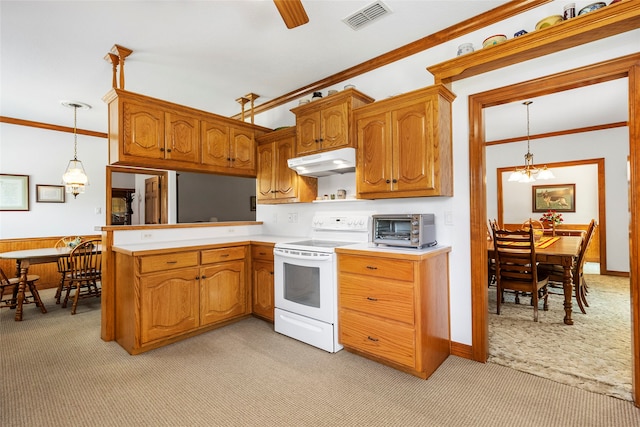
x=49 y=276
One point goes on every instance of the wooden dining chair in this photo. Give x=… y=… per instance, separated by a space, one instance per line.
x=536 y=226
x=64 y=265
x=556 y=272
x=10 y=286
x=85 y=274
x=516 y=267
x=491 y=262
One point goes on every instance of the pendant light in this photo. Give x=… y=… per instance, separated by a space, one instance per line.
x=74 y=178
x=526 y=173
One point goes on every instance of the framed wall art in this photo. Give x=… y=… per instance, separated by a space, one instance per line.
x=14 y=192
x=559 y=197
x=49 y=193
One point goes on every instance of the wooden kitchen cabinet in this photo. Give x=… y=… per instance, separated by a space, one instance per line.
x=325 y=124
x=223 y=287
x=405 y=146
x=168 y=304
x=394 y=308
x=163 y=296
x=276 y=182
x=262 y=286
x=228 y=148
x=148 y=132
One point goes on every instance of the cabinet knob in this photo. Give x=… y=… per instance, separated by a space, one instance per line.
x=168 y=150
x=395 y=181
x=203 y=277
x=388 y=181
x=162 y=149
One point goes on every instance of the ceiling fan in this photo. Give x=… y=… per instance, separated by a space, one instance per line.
x=292 y=12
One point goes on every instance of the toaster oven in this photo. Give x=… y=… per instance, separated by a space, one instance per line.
x=405 y=230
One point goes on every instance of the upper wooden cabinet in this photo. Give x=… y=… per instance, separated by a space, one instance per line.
x=325 y=124
x=276 y=182
x=225 y=147
x=148 y=132
x=404 y=145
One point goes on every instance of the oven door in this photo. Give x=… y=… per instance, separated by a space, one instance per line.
x=305 y=283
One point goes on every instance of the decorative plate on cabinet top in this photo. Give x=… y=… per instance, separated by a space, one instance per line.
x=549 y=21
x=493 y=40
x=592 y=7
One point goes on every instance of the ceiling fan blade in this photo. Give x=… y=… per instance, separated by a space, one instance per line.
x=292 y=12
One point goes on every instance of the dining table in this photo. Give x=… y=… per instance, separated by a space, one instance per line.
x=24 y=259
x=557 y=250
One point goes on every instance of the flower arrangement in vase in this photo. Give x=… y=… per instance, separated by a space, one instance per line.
x=552 y=218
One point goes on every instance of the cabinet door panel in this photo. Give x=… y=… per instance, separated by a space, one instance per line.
x=222 y=292
x=334 y=125
x=285 y=177
x=308 y=133
x=374 y=153
x=264 y=184
x=169 y=304
x=215 y=144
x=143 y=131
x=182 y=138
x=263 y=300
x=413 y=151
x=243 y=150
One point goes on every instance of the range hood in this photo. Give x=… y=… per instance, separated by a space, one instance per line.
x=327 y=163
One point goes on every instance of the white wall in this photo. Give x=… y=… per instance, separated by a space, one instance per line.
x=43 y=155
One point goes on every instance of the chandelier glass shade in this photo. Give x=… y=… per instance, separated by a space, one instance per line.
x=74 y=178
x=529 y=172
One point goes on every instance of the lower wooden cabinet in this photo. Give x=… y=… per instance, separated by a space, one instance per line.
x=394 y=307
x=262 y=272
x=173 y=294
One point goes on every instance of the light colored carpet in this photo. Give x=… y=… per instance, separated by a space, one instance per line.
x=56 y=371
x=593 y=354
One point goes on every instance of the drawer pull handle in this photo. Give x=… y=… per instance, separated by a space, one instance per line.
x=372 y=299
x=172 y=262
x=262 y=253
x=224 y=255
x=372 y=339
x=371 y=267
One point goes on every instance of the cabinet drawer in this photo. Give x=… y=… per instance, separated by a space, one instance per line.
x=378 y=267
x=223 y=254
x=262 y=252
x=385 y=298
x=163 y=262
x=391 y=341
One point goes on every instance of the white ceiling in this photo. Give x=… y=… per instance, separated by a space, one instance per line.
x=204 y=54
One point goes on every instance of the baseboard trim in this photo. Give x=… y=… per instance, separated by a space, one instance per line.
x=462 y=350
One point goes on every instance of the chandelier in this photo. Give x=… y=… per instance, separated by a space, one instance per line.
x=74 y=178
x=526 y=173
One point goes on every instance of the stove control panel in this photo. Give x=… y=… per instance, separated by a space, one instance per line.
x=341 y=222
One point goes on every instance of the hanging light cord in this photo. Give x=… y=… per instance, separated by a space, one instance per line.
x=75 y=131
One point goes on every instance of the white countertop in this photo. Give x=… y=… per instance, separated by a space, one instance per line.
x=369 y=246
x=159 y=245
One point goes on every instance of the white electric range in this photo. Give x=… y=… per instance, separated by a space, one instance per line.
x=306 y=279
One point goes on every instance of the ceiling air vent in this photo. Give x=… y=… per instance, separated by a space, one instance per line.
x=367 y=15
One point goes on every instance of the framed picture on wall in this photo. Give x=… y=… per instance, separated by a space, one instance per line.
x=14 y=192
x=559 y=197
x=49 y=193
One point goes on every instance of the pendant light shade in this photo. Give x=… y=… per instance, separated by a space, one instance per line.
x=529 y=172
x=74 y=178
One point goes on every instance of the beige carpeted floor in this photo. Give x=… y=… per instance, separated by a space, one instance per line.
x=56 y=371
x=593 y=354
